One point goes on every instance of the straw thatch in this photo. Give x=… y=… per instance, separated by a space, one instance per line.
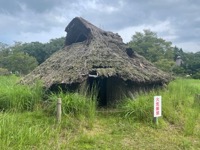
x=93 y=53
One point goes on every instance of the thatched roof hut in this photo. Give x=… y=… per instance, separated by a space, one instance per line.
x=93 y=55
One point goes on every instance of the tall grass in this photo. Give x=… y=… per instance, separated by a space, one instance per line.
x=140 y=108
x=177 y=104
x=178 y=99
x=24 y=131
x=73 y=104
x=33 y=129
x=17 y=97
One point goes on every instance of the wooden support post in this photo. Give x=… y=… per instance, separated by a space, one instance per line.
x=155 y=120
x=59 y=111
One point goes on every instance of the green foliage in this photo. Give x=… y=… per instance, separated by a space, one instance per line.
x=74 y=104
x=191 y=121
x=33 y=129
x=16 y=97
x=139 y=109
x=18 y=62
x=177 y=105
x=3 y=46
x=196 y=75
x=150 y=46
x=34 y=49
x=39 y=50
x=177 y=99
x=163 y=55
x=24 y=131
x=165 y=65
x=178 y=70
x=192 y=64
x=4 y=71
x=54 y=45
x=24 y=57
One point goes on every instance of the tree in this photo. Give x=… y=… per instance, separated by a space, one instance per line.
x=155 y=49
x=151 y=47
x=192 y=64
x=14 y=60
x=34 y=49
x=18 y=63
x=39 y=50
x=24 y=57
x=3 y=46
x=165 y=65
x=54 y=45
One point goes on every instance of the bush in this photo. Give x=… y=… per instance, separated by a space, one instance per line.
x=4 y=72
x=196 y=75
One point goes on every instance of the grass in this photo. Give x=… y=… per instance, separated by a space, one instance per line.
x=22 y=131
x=16 y=97
x=177 y=103
x=73 y=104
x=27 y=122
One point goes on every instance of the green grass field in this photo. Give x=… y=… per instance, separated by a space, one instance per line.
x=28 y=122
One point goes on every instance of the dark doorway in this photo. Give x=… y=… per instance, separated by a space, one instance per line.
x=101 y=86
x=62 y=87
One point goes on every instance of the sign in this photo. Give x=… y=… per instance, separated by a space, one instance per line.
x=157 y=106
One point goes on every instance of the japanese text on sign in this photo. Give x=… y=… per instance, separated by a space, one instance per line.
x=157 y=106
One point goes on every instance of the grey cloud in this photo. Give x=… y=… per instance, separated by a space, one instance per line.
x=34 y=16
x=9 y=7
x=37 y=6
x=181 y=15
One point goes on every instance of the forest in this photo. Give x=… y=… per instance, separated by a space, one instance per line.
x=21 y=58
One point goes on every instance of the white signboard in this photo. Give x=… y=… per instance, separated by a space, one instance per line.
x=157 y=106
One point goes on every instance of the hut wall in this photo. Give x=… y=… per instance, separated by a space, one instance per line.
x=116 y=90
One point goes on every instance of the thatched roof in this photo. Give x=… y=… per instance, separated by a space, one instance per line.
x=92 y=52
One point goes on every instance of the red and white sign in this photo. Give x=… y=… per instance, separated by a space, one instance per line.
x=157 y=106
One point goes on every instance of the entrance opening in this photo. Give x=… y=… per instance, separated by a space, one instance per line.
x=100 y=84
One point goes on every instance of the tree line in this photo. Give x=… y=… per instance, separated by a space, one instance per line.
x=163 y=55
x=21 y=58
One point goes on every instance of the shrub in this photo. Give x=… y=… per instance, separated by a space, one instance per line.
x=4 y=72
x=196 y=75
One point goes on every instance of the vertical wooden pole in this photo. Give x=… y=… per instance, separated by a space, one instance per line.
x=59 y=112
x=155 y=120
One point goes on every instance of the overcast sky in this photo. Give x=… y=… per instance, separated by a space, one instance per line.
x=41 y=20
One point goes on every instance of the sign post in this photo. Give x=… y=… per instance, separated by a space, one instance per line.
x=157 y=108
